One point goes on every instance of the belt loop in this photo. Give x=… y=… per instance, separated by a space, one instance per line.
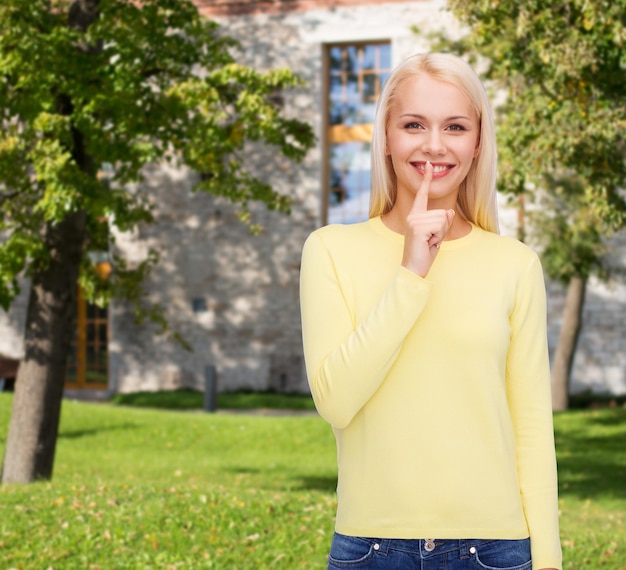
x=384 y=544
x=464 y=548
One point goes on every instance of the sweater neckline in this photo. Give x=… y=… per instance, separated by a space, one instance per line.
x=379 y=227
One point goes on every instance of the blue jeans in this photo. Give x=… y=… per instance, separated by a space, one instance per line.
x=401 y=554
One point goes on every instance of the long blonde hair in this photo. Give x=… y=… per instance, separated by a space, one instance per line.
x=477 y=195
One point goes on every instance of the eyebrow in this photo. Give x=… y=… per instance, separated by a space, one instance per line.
x=422 y=117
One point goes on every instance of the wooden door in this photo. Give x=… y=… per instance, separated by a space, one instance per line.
x=88 y=365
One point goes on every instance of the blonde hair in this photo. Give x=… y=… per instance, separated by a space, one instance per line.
x=477 y=195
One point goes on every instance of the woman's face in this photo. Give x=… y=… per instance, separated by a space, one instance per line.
x=434 y=121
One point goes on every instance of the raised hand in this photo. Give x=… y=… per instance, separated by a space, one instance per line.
x=425 y=229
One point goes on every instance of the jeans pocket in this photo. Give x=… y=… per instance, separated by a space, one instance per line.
x=350 y=551
x=502 y=554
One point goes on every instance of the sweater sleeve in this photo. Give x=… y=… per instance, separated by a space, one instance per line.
x=347 y=361
x=529 y=396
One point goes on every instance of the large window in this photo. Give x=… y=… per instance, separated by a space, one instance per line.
x=355 y=77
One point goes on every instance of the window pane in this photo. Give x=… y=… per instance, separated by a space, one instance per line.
x=384 y=53
x=369 y=57
x=383 y=79
x=91 y=356
x=352 y=85
x=336 y=113
x=368 y=112
x=335 y=56
x=349 y=183
x=70 y=374
x=336 y=86
x=96 y=377
x=351 y=113
x=370 y=86
x=351 y=58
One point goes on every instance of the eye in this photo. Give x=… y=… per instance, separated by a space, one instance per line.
x=413 y=126
x=456 y=127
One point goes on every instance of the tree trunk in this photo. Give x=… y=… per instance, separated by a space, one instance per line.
x=568 y=339
x=50 y=318
x=31 y=441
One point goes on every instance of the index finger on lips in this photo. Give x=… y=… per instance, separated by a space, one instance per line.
x=420 y=204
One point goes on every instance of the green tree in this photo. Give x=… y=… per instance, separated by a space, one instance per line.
x=88 y=84
x=561 y=133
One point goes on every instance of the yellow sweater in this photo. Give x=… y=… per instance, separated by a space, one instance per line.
x=437 y=388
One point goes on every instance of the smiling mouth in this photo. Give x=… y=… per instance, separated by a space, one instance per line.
x=437 y=168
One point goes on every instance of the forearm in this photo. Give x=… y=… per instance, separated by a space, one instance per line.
x=349 y=351
x=528 y=393
x=344 y=374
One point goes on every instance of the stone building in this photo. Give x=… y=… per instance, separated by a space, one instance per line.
x=234 y=296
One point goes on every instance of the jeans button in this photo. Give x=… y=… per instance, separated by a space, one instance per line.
x=429 y=545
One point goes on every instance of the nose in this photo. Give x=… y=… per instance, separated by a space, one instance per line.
x=434 y=144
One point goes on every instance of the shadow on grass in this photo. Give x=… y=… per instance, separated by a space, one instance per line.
x=295 y=482
x=78 y=433
x=324 y=484
x=243 y=470
x=591 y=451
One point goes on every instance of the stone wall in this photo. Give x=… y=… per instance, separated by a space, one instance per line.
x=12 y=326
x=234 y=296
x=250 y=330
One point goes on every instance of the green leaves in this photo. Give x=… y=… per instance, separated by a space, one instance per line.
x=140 y=83
x=561 y=127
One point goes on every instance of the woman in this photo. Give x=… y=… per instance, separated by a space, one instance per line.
x=425 y=344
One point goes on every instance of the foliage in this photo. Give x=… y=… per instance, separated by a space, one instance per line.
x=83 y=111
x=143 y=489
x=192 y=399
x=562 y=124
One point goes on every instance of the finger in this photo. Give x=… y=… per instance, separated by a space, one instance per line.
x=420 y=204
x=450 y=213
x=437 y=238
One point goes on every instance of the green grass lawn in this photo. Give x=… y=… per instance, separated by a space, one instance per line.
x=142 y=488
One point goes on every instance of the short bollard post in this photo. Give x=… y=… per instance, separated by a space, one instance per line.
x=210 y=388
